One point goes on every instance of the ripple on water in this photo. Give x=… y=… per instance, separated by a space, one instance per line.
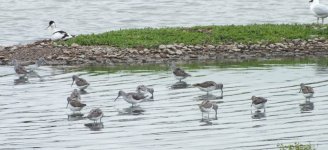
x=34 y=114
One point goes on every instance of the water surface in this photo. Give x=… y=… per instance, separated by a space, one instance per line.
x=33 y=114
x=25 y=21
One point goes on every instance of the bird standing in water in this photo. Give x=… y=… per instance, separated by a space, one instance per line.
x=81 y=83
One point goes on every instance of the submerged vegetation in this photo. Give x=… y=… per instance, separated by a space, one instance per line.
x=247 y=34
x=296 y=146
x=202 y=65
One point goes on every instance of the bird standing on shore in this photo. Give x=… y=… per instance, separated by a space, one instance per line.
x=307 y=91
x=209 y=86
x=258 y=102
x=319 y=10
x=56 y=33
x=132 y=98
x=206 y=106
x=81 y=83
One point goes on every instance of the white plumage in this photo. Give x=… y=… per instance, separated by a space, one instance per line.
x=319 y=10
x=58 y=34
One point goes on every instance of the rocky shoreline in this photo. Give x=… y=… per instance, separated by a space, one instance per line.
x=56 y=54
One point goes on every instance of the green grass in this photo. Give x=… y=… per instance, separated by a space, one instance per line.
x=296 y=146
x=247 y=34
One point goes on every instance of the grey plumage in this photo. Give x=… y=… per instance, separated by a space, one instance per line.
x=144 y=89
x=206 y=106
x=80 y=82
x=95 y=114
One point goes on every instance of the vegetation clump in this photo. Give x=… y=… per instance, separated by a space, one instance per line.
x=202 y=35
x=296 y=146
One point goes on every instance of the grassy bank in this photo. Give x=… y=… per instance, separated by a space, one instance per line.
x=150 y=37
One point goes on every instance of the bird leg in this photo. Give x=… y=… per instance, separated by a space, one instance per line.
x=318 y=20
x=322 y=20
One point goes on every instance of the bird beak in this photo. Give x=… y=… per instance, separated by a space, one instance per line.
x=72 y=83
x=116 y=98
x=67 y=104
x=300 y=90
x=47 y=27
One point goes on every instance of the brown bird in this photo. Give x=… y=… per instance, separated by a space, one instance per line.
x=179 y=73
x=81 y=83
x=209 y=86
x=95 y=114
x=131 y=97
x=258 y=102
x=144 y=89
x=19 y=69
x=206 y=106
x=75 y=95
x=307 y=91
x=75 y=105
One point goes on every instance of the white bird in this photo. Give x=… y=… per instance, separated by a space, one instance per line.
x=56 y=33
x=319 y=10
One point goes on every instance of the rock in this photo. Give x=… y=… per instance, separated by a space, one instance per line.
x=169 y=46
x=171 y=52
x=197 y=47
x=2 y=57
x=210 y=47
x=162 y=47
x=13 y=48
x=63 y=58
x=236 y=50
x=74 y=45
x=97 y=52
x=179 y=52
x=66 y=52
x=157 y=56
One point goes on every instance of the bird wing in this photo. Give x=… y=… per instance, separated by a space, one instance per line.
x=20 y=69
x=307 y=89
x=60 y=35
x=206 y=84
x=259 y=100
x=94 y=113
x=76 y=103
x=180 y=72
x=138 y=96
x=320 y=10
x=207 y=105
x=82 y=82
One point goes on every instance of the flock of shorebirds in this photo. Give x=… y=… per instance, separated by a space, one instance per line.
x=142 y=92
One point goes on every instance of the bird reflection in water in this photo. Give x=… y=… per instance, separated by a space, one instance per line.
x=308 y=106
x=135 y=110
x=258 y=114
x=75 y=117
x=209 y=97
x=21 y=80
x=180 y=85
x=95 y=126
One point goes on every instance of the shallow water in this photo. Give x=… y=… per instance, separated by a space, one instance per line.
x=33 y=114
x=25 y=21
